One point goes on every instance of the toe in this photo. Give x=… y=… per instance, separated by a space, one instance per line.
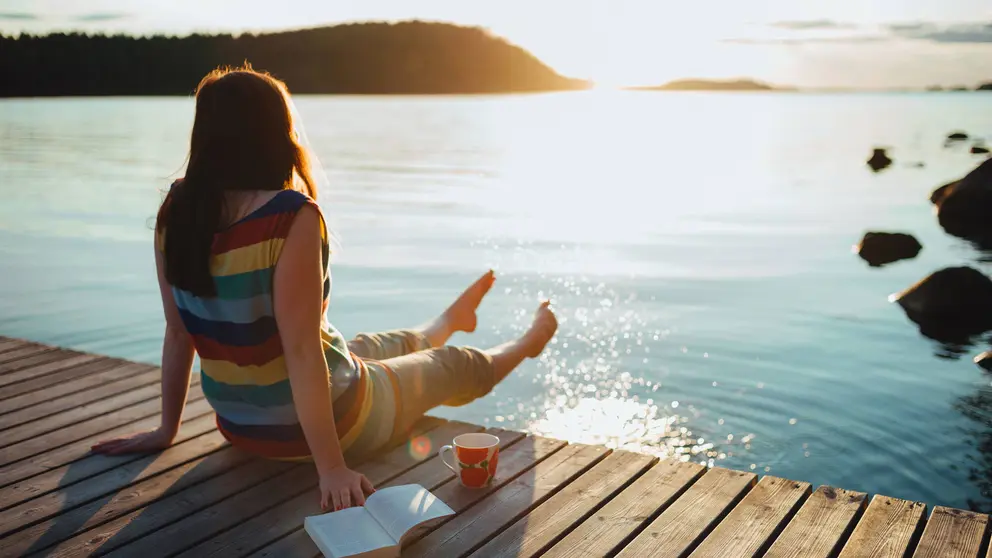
x=481 y=286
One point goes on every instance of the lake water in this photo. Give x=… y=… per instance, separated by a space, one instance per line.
x=696 y=247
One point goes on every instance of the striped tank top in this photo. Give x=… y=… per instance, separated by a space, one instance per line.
x=243 y=370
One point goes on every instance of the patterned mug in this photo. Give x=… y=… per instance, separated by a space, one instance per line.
x=476 y=456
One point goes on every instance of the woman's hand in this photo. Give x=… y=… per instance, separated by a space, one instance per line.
x=342 y=488
x=139 y=442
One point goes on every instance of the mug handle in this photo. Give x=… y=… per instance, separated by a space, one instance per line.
x=440 y=454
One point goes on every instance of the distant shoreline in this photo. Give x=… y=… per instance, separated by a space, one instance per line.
x=743 y=85
x=796 y=91
x=696 y=84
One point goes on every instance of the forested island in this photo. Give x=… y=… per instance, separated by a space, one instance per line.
x=409 y=57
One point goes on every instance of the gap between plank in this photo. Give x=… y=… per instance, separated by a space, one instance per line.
x=304 y=491
x=654 y=515
x=789 y=515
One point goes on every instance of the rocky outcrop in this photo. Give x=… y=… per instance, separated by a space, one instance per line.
x=985 y=360
x=879 y=159
x=953 y=303
x=938 y=195
x=880 y=248
x=964 y=207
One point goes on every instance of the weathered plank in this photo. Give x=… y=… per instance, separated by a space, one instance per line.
x=514 y=461
x=952 y=533
x=750 y=527
x=134 y=497
x=886 y=529
x=74 y=495
x=477 y=525
x=34 y=446
x=818 y=529
x=35 y=385
x=288 y=517
x=47 y=372
x=431 y=474
x=555 y=518
x=256 y=474
x=638 y=504
x=195 y=528
x=519 y=459
x=96 y=373
x=76 y=455
x=8 y=370
x=202 y=497
x=691 y=517
x=139 y=376
x=8 y=344
x=431 y=433
x=93 y=465
x=20 y=353
x=75 y=415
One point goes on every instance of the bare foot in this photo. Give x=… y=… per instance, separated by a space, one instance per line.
x=509 y=355
x=460 y=316
x=541 y=331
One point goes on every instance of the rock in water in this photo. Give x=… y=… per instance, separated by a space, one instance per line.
x=979 y=149
x=985 y=360
x=939 y=194
x=957 y=136
x=964 y=208
x=879 y=159
x=951 y=304
x=880 y=248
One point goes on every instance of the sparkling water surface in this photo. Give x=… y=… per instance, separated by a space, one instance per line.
x=696 y=247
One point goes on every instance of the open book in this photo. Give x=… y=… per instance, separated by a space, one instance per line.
x=375 y=530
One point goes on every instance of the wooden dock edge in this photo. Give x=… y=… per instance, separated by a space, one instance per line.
x=572 y=499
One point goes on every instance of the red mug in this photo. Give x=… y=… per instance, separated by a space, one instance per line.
x=476 y=456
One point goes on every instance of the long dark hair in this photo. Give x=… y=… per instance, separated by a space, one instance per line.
x=243 y=139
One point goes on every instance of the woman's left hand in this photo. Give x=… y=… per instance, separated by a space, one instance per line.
x=139 y=442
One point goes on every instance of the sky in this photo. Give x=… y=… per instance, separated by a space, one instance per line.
x=806 y=43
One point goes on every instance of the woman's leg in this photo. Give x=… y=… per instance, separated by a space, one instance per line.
x=388 y=344
x=460 y=316
x=458 y=375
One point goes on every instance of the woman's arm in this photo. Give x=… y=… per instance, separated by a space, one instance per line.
x=177 y=364
x=298 y=298
x=177 y=357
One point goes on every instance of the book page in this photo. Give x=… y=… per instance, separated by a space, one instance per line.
x=347 y=532
x=401 y=508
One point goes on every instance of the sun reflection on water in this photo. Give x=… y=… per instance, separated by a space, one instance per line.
x=599 y=382
x=616 y=423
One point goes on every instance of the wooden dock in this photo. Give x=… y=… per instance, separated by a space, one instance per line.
x=202 y=497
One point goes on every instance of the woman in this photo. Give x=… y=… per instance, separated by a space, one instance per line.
x=242 y=258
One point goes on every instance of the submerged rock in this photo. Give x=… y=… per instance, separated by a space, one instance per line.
x=953 y=303
x=979 y=149
x=880 y=248
x=985 y=360
x=957 y=136
x=964 y=207
x=879 y=159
